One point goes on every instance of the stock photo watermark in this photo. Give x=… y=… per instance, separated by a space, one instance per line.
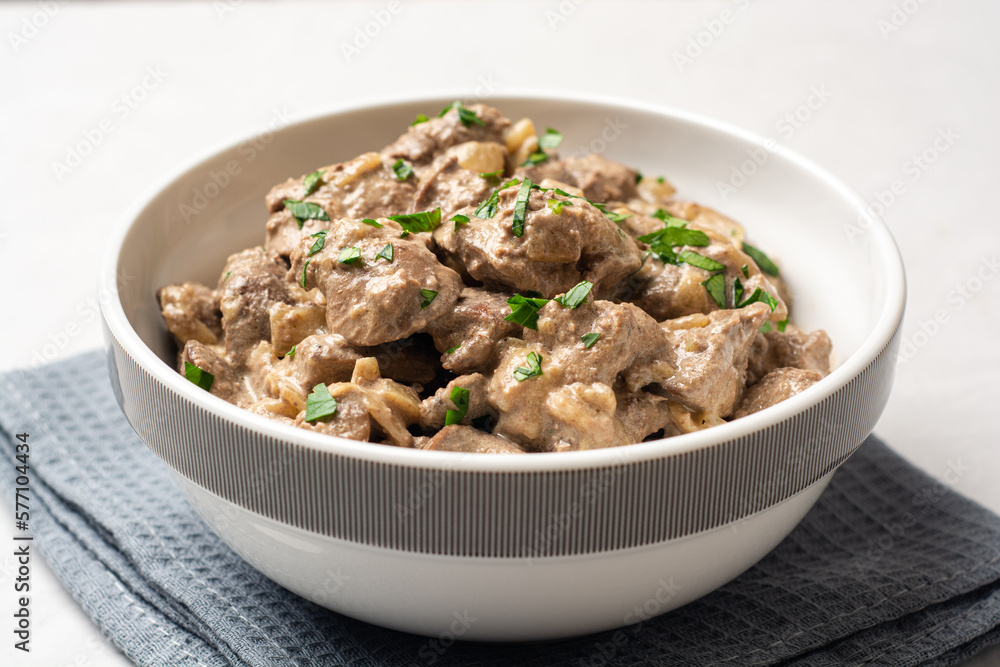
x=34 y=23
x=365 y=34
x=900 y=15
x=711 y=29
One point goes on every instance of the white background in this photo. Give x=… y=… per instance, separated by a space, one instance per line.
x=885 y=80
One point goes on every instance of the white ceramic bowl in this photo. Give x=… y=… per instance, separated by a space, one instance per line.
x=536 y=546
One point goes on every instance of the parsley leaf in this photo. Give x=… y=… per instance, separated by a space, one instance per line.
x=617 y=217
x=304 y=267
x=413 y=223
x=590 y=338
x=319 y=243
x=349 y=255
x=576 y=296
x=320 y=405
x=403 y=170
x=638 y=176
x=663 y=241
x=537 y=157
x=459 y=219
x=737 y=290
x=304 y=210
x=428 y=295
x=421 y=118
x=312 y=181
x=534 y=368
x=466 y=116
x=702 y=262
x=452 y=349
x=746 y=271
x=489 y=206
x=291 y=352
x=557 y=205
x=669 y=220
x=493 y=177
x=524 y=310
x=199 y=376
x=460 y=397
x=716 y=286
x=763 y=261
x=521 y=207
x=551 y=139
x=761 y=296
x=385 y=253
x=372 y=223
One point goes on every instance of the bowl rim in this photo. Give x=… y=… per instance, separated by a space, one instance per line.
x=876 y=233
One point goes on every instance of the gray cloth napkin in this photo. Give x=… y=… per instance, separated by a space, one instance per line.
x=890 y=567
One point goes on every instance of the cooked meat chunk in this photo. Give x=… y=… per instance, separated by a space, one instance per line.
x=711 y=359
x=252 y=281
x=452 y=187
x=227 y=384
x=423 y=141
x=434 y=409
x=468 y=334
x=601 y=180
x=792 y=348
x=191 y=312
x=352 y=419
x=779 y=384
x=466 y=439
x=642 y=414
x=292 y=323
x=667 y=291
x=370 y=299
x=556 y=251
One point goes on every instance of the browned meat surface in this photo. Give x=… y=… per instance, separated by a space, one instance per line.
x=792 y=348
x=600 y=179
x=407 y=330
x=779 y=384
x=466 y=439
x=556 y=251
x=422 y=142
x=434 y=409
x=468 y=334
x=191 y=312
x=372 y=300
x=252 y=281
x=711 y=359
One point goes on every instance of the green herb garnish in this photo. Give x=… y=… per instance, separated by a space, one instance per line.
x=421 y=118
x=199 y=376
x=303 y=210
x=534 y=368
x=590 y=338
x=737 y=290
x=537 y=157
x=524 y=310
x=492 y=176
x=460 y=397
x=304 y=267
x=745 y=270
x=311 y=182
x=716 y=287
x=638 y=176
x=557 y=205
x=762 y=260
x=521 y=207
x=452 y=349
x=291 y=352
x=349 y=255
x=466 y=116
x=372 y=223
x=702 y=262
x=403 y=170
x=320 y=405
x=413 y=223
x=577 y=295
x=759 y=295
x=489 y=206
x=551 y=139
x=385 y=253
x=319 y=243
x=428 y=295
x=459 y=219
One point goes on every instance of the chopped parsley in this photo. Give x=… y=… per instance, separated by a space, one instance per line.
x=311 y=182
x=492 y=176
x=737 y=290
x=466 y=116
x=413 y=223
x=385 y=253
x=489 y=206
x=576 y=296
x=551 y=139
x=460 y=397
x=524 y=310
x=661 y=180
x=617 y=217
x=763 y=261
x=291 y=352
x=304 y=267
x=702 y=262
x=638 y=176
x=557 y=205
x=669 y=220
x=759 y=295
x=319 y=243
x=521 y=207
x=228 y=273
x=452 y=349
x=537 y=157
x=372 y=223
x=590 y=338
x=421 y=118
x=663 y=241
x=428 y=295
x=199 y=376
x=304 y=210
x=403 y=170
x=745 y=270
x=349 y=255
x=716 y=287
x=459 y=219
x=534 y=368
x=320 y=405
